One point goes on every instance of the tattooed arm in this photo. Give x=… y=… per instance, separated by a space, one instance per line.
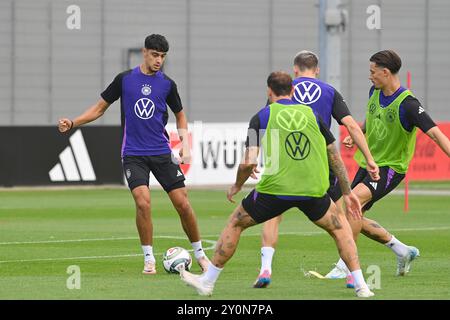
x=245 y=170
x=352 y=203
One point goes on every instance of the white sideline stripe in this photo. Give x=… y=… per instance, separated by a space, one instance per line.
x=82 y=156
x=94 y=239
x=312 y=233
x=424 y=192
x=70 y=240
x=74 y=258
x=211 y=242
x=306 y=233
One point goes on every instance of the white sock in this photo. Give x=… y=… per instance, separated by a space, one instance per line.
x=359 y=279
x=341 y=265
x=212 y=274
x=198 y=249
x=148 y=253
x=399 y=248
x=266 y=259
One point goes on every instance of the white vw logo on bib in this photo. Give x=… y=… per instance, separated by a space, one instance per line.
x=144 y=108
x=307 y=92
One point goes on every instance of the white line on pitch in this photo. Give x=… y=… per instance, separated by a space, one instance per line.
x=69 y=240
x=74 y=258
x=305 y=233
x=312 y=233
x=211 y=242
x=86 y=240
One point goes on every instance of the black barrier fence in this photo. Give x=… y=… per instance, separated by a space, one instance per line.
x=43 y=156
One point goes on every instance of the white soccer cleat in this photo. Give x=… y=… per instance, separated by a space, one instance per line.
x=197 y=282
x=336 y=273
x=404 y=263
x=203 y=262
x=149 y=268
x=364 y=293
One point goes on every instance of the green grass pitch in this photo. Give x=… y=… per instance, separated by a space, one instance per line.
x=43 y=232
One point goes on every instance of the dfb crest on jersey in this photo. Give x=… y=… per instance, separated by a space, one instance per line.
x=146 y=90
x=391 y=115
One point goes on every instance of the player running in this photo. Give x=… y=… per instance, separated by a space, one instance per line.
x=295 y=144
x=145 y=94
x=392 y=116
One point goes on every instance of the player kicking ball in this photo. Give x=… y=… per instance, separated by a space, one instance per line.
x=146 y=93
x=296 y=144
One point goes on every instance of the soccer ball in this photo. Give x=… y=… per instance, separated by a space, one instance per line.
x=176 y=258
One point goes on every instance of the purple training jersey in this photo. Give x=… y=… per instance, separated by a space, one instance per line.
x=316 y=94
x=144 y=115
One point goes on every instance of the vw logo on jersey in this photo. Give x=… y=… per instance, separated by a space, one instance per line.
x=144 y=108
x=291 y=119
x=307 y=92
x=379 y=129
x=297 y=145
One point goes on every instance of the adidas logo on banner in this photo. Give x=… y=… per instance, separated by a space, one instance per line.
x=75 y=164
x=374 y=185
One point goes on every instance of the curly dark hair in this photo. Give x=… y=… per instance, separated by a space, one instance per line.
x=156 y=42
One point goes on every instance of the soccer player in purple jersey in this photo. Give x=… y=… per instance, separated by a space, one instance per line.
x=328 y=103
x=296 y=142
x=145 y=92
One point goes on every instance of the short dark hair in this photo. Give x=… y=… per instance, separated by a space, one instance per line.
x=280 y=83
x=306 y=60
x=387 y=59
x=156 y=42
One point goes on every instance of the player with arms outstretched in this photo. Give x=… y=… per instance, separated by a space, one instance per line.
x=145 y=94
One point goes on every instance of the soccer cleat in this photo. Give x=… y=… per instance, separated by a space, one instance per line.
x=350 y=283
x=263 y=280
x=404 y=263
x=203 y=262
x=149 y=267
x=336 y=273
x=364 y=293
x=197 y=282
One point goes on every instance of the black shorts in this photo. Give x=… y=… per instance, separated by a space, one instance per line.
x=334 y=191
x=389 y=180
x=164 y=167
x=262 y=206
